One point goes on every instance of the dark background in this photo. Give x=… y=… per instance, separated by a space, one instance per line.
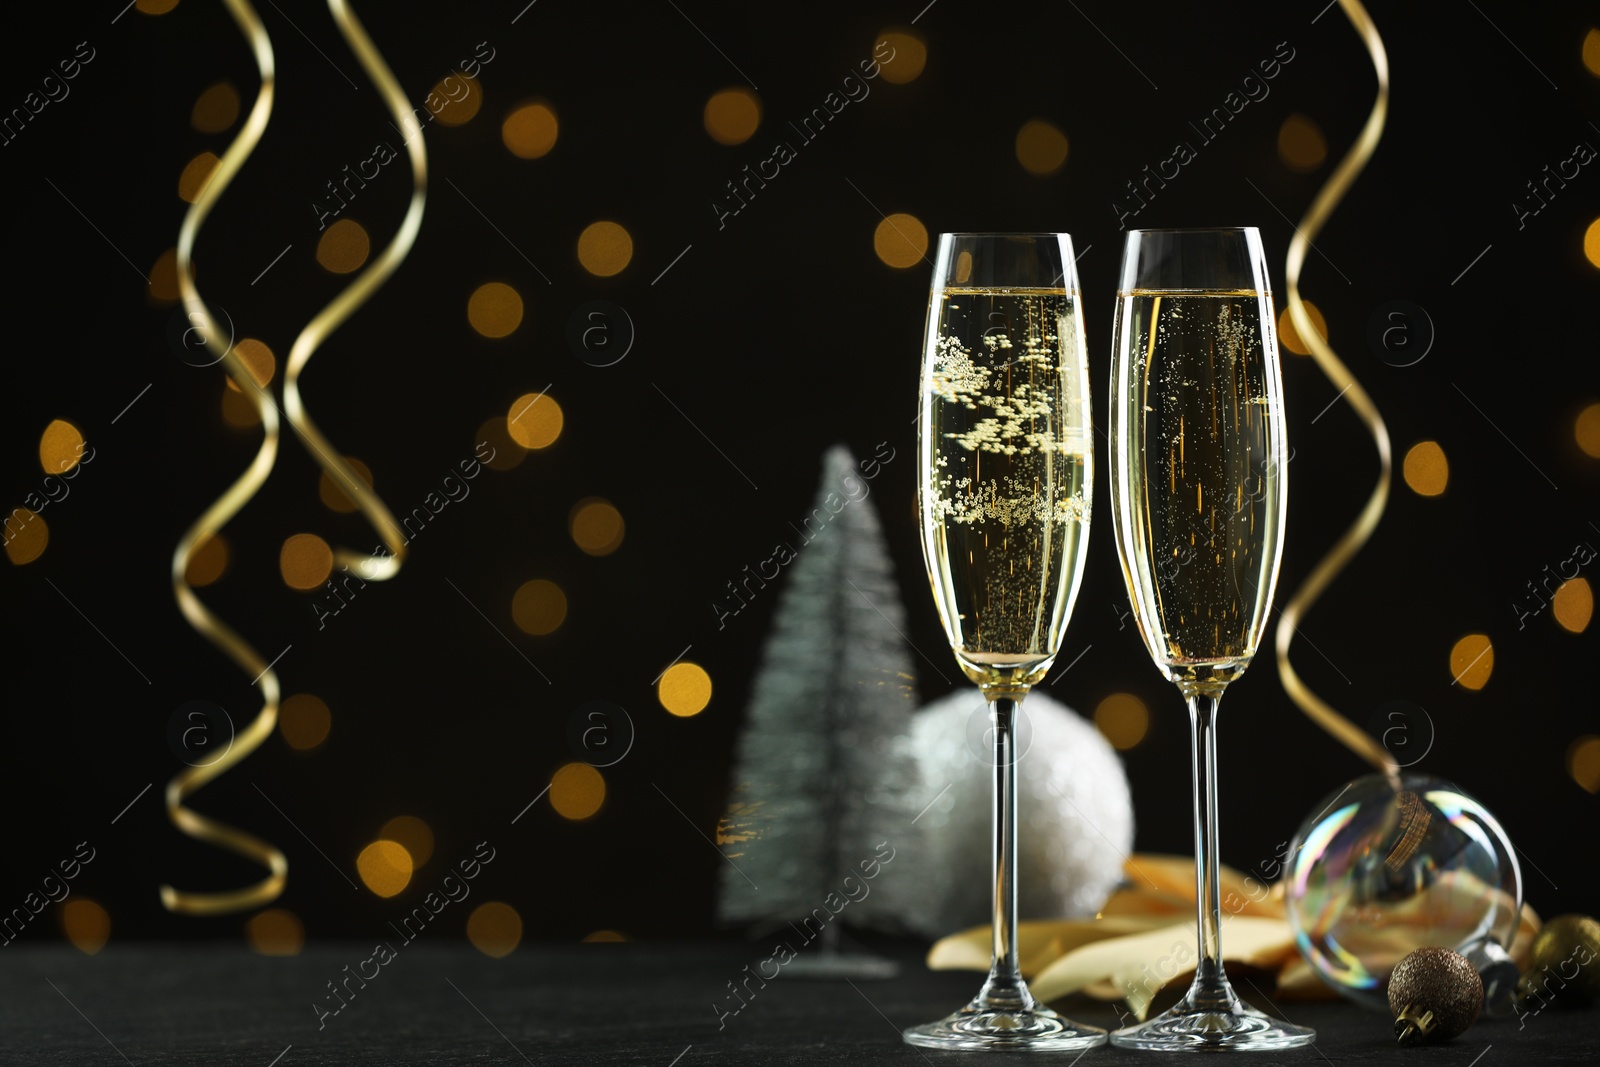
x=778 y=335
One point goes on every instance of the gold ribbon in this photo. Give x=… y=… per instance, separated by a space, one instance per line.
x=207 y=624
x=1343 y=550
x=373 y=567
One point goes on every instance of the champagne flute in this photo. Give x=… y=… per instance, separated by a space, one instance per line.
x=1197 y=499
x=1004 y=478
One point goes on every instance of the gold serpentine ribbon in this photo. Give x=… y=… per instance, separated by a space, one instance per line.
x=1360 y=531
x=204 y=621
x=373 y=567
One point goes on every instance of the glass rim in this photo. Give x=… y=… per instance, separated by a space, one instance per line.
x=1198 y=229
x=1000 y=233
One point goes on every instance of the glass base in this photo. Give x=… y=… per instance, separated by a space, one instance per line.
x=979 y=1029
x=1224 y=1023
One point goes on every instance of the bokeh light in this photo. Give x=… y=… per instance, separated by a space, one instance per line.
x=1573 y=604
x=238 y=410
x=494 y=928
x=684 y=689
x=577 y=791
x=335 y=498
x=1583 y=762
x=1591 y=243
x=596 y=526
x=215 y=109
x=732 y=115
x=343 y=247
x=304 y=721
x=1123 y=719
x=1472 y=661
x=539 y=607
x=907 y=58
x=163 y=276
x=196 y=176
x=900 y=240
x=305 y=561
x=155 y=7
x=463 y=97
x=604 y=937
x=1425 y=468
x=534 y=420
x=604 y=248
x=530 y=131
x=506 y=454
x=1301 y=144
x=60 y=447
x=275 y=932
x=1290 y=338
x=385 y=867
x=208 y=561
x=494 y=309
x=1041 y=147
x=86 y=924
x=258 y=360
x=1591 y=51
x=1586 y=429
x=414 y=835
x=26 y=535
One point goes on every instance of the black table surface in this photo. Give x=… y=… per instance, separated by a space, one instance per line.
x=633 y=1003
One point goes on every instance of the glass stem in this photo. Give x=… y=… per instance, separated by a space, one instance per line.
x=1210 y=990
x=1005 y=990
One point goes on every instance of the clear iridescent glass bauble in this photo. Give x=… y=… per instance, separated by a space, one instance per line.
x=1376 y=872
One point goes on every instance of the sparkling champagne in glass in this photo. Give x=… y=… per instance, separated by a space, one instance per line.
x=1004 y=477
x=1197 y=499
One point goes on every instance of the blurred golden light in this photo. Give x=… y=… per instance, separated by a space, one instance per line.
x=732 y=115
x=1041 y=147
x=208 y=561
x=305 y=561
x=577 y=791
x=506 y=454
x=196 y=174
x=907 y=59
x=1472 y=661
x=1587 y=430
x=1573 y=604
x=275 y=932
x=385 y=867
x=604 y=248
x=155 y=7
x=257 y=359
x=1591 y=51
x=343 y=247
x=534 y=420
x=239 y=410
x=530 y=131
x=86 y=924
x=462 y=104
x=494 y=309
x=60 y=447
x=1123 y=719
x=539 y=607
x=304 y=721
x=684 y=689
x=164 y=278
x=600 y=936
x=1426 y=470
x=495 y=929
x=1583 y=762
x=1290 y=338
x=900 y=240
x=596 y=526
x=334 y=497
x=216 y=109
x=414 y=835
x=1301 y=144
x=1591 y=243
x=26 y=536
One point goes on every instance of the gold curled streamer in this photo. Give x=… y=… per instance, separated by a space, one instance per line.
x=1360 y=531
x=207 y=624
x=373 y=567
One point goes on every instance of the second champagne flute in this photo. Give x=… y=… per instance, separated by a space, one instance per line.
x=1197 y=504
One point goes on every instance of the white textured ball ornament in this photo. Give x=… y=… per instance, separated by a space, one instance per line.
x=1072 y=799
